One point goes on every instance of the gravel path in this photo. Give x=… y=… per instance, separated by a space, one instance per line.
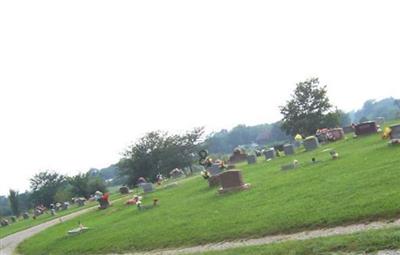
x=341 y=230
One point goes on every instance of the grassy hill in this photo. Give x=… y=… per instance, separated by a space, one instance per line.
x=362 y=185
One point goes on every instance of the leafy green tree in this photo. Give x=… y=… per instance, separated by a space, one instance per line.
x=159 y=152
x=45 y=185
x=14 y=203
x=308 y=109
x=83 y=185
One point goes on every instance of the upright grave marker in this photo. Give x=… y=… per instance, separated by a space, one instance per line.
x=251 y=159
x=232 y=180
x=366 y=128
x=270 y=153
x=311 y=143
x=288 y=149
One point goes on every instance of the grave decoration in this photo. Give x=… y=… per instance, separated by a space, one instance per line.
x=146 y=207
x=269 y=154
x=102 y=199
x=124 y=190
x=366 y=128
x=288 y=149
x=232 y=180
x=329 y=134
x=238 y=155
x=76 y=231
x=213 y=169
x=159 y=179
x=25 y=215
x=251 y=159
x=4 y=222
x=334 y=154
x=176 y=173
x=311 y=143
x=290 y=166
x=134 y=200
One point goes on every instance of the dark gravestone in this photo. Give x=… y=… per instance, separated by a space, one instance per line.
x=237 y=156
x=213 y=181
x=25 y=215
x=147 y=187
x=288 y=149
x=214 y=169
x=231 y=181
x=124 y=190
x=65 y=206
x=80 y=201
x=311 y=143
x=251 y=159
x=348 y=129
x=395 y=132
x=270 y=153
x=366 y=128
x=4 y=222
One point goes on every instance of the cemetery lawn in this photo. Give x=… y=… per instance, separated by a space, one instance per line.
x=359 y=243
x=362 y=185
x=22 y=224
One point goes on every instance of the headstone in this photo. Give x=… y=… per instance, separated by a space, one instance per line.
x=288 y=149
x=25 y=215
x=65 y=206
x=380 y=120
x=288 y=166
x=231 y=181
x=270 y=153
x=4 y=222
x=366 y=128
x=395 y=132
x=311 y=143
x=58 y=206
x=80 y=201
x=124 y=190
x=251 y=159
x=176 y=173
x=215 y=169
x=147 y=187
x=213 y=181
x=348 y=129
x=52 y=211
x=237 y=156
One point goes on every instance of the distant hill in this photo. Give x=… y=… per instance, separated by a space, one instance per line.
x=387 y=108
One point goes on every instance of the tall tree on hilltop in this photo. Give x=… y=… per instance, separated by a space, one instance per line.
x=308 y=109
x=14 y=203
x=159 y=152
x=45 y=185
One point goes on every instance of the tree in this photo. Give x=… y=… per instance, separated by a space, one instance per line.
x=45 y=185
x=83 y=185
x=308 y=109
x=14 y=203
x=159 y=152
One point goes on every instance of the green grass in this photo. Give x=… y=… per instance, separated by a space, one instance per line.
x=22 y=224
x=359 y=243
x=362 y=185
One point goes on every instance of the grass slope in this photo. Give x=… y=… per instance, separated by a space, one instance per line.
x=22 y=224
x=362 y=185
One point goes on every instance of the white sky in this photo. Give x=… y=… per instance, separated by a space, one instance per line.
x=79 y=80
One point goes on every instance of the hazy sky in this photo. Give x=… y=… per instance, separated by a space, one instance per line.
x=80 y=80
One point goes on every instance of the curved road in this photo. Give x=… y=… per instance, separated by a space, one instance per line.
x=10 y=242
